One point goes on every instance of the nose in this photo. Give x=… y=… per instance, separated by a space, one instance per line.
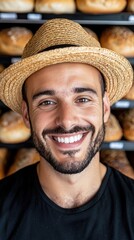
x=66 y=117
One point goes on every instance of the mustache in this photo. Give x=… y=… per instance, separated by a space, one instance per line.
x=60 y=130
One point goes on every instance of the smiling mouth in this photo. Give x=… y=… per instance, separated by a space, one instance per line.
x=70 y=139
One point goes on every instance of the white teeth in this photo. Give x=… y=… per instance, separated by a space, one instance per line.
x=71 y=139
x=66 y=140
x=58 y=139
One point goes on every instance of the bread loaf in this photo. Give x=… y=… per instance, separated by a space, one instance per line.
x=23 y=158
x=113 y=131
x=118 y=160
x=101 y=6
x=13 y=40
x=119 y=39
x=126 y=118
x=130 y=5
x=16 y=5
x=12 y=128
x=55 y=6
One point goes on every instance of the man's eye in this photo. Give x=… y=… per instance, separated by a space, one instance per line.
x=83 y=100
x=46 y=103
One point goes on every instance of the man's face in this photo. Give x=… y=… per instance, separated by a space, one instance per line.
x=66 y=113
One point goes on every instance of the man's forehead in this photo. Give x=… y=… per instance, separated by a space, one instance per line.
x=64 y=77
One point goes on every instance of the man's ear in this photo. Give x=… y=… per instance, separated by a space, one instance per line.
x=106 y=106
x=25 y=114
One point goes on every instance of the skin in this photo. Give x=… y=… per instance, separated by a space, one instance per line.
x=54 y=103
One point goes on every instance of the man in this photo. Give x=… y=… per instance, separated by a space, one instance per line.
x=64 y=86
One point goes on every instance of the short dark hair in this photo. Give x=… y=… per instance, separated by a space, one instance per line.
x=103 y=84
x=24 y=96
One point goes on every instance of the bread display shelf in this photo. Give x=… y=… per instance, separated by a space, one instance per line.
x=119 y=145
x=131 y=60
x=27 y=144
x=123 y=18
x=123 y=104
x=7 y=60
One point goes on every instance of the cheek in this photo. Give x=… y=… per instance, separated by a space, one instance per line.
x=95 y=115
x=40 y=121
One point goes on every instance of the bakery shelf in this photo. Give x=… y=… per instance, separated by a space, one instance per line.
x=123 y=104
x=7 y=60
x=27 y=144
x=119 y=145
x=131 y=60
x=123 y=18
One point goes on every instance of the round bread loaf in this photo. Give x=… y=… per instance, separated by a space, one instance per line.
x=55 y=6
x=13 y=40
x=113 y=131
x=119 y=39
x=16 y=5
x=12 y=128
x=23 y=158
x=118 y=160
x=130 y=5
x=126 y=118
x=101 y=6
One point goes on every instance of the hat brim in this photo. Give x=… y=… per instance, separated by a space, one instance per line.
x=116 y=70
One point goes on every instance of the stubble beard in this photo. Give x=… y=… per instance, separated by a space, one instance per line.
x=71 y=166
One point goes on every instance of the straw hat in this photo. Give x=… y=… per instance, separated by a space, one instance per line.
x=61 y=40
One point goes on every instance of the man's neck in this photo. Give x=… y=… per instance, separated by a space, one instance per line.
x=71 y=190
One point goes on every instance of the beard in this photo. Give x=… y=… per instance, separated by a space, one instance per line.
x=71 y=165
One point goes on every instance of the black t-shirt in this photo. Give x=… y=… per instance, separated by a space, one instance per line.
x=26 y=213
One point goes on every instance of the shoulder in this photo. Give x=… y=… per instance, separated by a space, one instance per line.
x=121 y=181
x=117 y=174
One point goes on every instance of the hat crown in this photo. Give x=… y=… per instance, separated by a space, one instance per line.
x=57 y=32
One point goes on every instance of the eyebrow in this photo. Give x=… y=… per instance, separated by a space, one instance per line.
x=53 y=92
x=81 y=90
x=42 y=93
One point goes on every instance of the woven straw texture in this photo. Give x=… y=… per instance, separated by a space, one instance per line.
x=116 y=70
